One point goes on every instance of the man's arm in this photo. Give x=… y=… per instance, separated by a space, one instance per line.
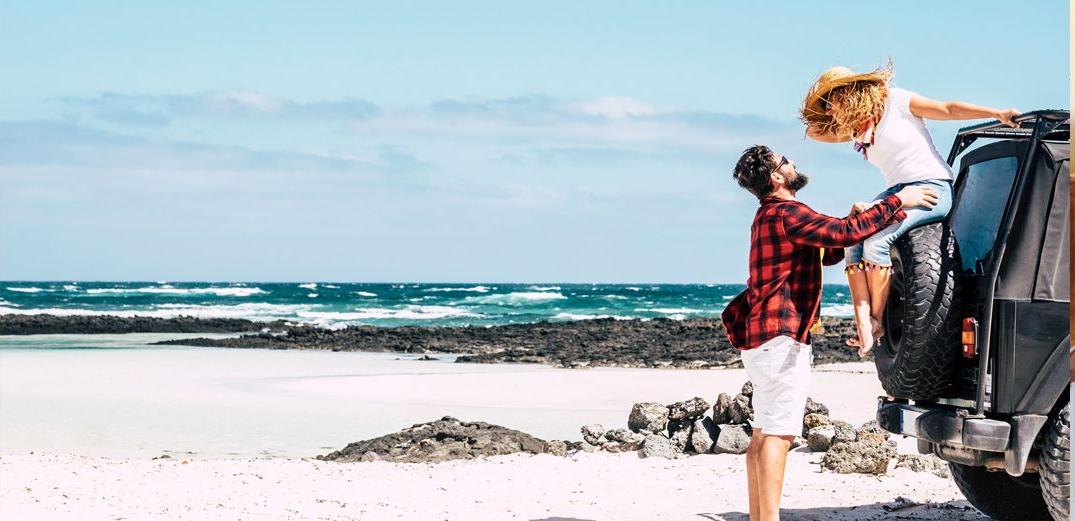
x=832 y=256
x=806 y=227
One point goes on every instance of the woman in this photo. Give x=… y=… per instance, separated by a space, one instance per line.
x=887 y=126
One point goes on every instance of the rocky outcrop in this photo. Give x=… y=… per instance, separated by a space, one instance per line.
x=699 y=343
x=109 y=324
x=445 y=439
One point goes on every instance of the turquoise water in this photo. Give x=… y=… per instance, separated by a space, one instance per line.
x=336 y=304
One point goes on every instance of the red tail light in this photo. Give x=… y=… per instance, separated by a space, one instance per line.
x=970 y=337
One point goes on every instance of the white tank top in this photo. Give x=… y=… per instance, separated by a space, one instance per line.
x=902 y=148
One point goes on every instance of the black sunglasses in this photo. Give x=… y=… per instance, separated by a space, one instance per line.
x=783 y=161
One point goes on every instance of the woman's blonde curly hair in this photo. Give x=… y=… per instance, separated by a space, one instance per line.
x=859 y=95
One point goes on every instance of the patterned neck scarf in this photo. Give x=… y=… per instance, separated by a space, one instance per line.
x=864 y=140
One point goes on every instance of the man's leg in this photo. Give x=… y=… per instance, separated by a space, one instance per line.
x=753 y=453
x=771 y=462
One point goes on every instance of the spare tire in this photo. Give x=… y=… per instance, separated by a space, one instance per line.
x=916 y=357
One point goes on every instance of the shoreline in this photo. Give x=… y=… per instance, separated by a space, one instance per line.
x=696 y=343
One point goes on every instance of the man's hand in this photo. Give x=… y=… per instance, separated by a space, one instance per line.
x=918 y=195
x=859 y=207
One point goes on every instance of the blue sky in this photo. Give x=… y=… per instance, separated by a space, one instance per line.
x=463 y=141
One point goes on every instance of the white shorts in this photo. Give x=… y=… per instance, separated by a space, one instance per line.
x=780 y=372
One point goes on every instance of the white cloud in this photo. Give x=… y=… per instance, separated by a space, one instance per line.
x=613 y=107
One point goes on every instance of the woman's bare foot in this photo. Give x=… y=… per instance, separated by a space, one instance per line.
x=876 y=332
x=865 y=337
x=878 y=328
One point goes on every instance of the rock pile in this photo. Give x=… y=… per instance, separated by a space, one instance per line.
x=446 y=439
x=694 y=427
x=654 y=430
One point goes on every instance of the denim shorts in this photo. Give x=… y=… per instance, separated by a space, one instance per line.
x=876 y=249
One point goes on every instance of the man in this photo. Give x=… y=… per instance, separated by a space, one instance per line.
x=770 y=322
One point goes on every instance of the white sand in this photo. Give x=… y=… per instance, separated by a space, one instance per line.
x=94 y=418
x=254 y=402
x=542 y=487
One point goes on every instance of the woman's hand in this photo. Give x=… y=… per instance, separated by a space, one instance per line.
x=1008 y=117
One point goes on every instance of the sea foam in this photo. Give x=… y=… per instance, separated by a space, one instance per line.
x=517 y=298
x=475 y=289
x=167 y=289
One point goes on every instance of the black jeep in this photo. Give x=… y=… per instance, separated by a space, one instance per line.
x=975 y=355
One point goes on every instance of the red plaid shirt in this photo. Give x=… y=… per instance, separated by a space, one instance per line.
x=787 y=241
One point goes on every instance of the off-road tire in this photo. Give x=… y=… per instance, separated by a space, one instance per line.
x=999 y=495
x=1055 y=467
x=916 y=358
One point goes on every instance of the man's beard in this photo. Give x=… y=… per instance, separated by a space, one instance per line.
x=798 y=182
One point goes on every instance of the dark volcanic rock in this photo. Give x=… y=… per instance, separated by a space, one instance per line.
x=732 y=439
x=623 y=440
x=681 y=438
x=594 y=434
x=845 y=432
x=101 y=324
x=658 y=447
x=648 y=417
x=441 y=440
x=704 y=434
x=699 y=343
x=924 y=463
x=688 y=410
x=740 y=410
x=721 y=408
x=858 y=457
x=813 y=407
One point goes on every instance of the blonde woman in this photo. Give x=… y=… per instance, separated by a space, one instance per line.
x=887 y=126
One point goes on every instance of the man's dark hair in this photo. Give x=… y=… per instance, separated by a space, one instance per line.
x=754 y=169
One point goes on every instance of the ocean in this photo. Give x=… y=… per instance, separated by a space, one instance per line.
x=340 y=304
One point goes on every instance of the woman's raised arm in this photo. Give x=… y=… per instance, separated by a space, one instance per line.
x=924 y=107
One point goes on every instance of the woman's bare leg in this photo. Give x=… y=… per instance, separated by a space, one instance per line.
x=860 y=303
x=879 y=281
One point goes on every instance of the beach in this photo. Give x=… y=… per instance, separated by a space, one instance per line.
x=114 y=395
x=80 y=428
x=594 y=486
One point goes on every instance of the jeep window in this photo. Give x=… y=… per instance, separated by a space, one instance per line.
x=977 y=216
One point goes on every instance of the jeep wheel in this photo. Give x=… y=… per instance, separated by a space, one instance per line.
x=1055 y=468
x=917 y=355
x=999 y=495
